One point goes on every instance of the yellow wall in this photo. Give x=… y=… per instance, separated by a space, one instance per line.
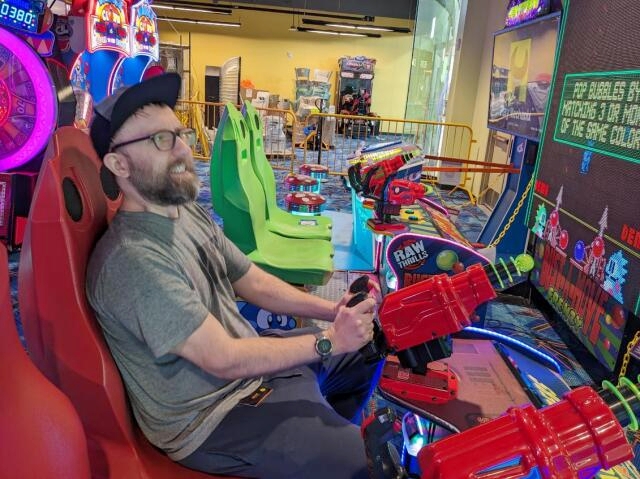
x=270 y=53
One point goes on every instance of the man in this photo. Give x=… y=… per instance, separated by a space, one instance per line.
x=203 y=385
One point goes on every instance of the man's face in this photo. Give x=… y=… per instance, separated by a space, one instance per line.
x=161 y=177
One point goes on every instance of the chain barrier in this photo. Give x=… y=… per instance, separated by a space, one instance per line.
x=495 y=242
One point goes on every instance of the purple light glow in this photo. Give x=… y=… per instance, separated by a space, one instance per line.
x=46 y=109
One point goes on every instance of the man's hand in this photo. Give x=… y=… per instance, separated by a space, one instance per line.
x=353 y=327
x=363 y=283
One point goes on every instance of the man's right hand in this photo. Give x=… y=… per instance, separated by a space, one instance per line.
x=353 y=327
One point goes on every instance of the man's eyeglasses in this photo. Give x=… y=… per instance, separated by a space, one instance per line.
x=164 y=140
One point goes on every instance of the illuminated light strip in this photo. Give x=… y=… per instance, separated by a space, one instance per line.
x=624 y=381
x=637 y=308
x=518 y=344
x=513 y=262
x=47 y=103
x=506 y=270
x=497 y=275
x=586 y=225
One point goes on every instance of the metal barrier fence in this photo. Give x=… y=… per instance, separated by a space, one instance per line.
x=204 y=117
x=290 y=143
x=343 y=136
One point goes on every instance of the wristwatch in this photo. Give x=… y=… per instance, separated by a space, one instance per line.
x=323 y=346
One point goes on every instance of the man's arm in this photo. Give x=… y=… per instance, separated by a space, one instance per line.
x=213 y=350
x=271 y=293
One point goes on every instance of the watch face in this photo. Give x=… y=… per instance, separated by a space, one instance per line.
x=323 y=346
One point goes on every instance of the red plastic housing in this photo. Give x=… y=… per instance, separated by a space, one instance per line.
x=572 y=439
x=433 y=308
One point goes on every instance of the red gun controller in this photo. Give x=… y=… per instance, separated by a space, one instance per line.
x=571 y=439
x=398 y=193
x=414 y=324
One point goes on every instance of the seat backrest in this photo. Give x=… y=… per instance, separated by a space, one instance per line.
x=236 y=192
x=41 y=433
x=69 y=212
x=259 y=160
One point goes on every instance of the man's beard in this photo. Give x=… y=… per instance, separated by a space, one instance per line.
x=165 y=189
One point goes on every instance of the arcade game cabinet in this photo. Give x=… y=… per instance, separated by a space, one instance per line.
x=523 y=61
x=355 y=84
x=30 y=94
x=120 y=43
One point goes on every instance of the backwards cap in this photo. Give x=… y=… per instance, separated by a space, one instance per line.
x=113 y=111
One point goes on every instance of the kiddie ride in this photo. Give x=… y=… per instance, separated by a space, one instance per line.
x=572 y=439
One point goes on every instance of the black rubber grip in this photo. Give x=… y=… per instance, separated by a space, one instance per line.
x=358 y=298
x=360 y=285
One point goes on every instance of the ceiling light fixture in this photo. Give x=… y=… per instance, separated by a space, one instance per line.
x=190 y=9
x=334 y=32
x=200 y=22
x=354 y=26
x=360 y=27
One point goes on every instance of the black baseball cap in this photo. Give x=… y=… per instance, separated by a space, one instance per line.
x=113 y=111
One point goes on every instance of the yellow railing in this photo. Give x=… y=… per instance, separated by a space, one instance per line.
x=343 y=136
x=204 y=116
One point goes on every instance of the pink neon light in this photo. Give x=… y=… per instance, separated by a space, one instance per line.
x=46 y=108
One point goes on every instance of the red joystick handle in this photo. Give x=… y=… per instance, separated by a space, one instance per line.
x=571 y=439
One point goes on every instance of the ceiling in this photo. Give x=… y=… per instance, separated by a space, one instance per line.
x=401 y=9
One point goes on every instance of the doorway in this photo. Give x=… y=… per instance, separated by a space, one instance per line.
x=211 y=93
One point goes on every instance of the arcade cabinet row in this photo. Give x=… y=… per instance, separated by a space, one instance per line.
x=52 y=69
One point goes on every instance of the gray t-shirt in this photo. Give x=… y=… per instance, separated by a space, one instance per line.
x=152 y=281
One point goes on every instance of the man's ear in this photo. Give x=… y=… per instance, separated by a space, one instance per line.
x=117 y=164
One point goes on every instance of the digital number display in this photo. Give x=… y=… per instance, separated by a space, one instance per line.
x=19 y=14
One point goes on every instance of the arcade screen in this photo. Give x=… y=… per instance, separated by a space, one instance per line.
x=585 y=210
x=523 y=60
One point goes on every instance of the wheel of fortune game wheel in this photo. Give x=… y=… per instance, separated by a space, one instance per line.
x=28 y=103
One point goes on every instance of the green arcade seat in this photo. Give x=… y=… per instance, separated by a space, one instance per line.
x=239 y=199
x=280 y=221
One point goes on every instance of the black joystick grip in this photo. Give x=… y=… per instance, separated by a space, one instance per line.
x=358 y=298
x=373 y=351
x=360 y=285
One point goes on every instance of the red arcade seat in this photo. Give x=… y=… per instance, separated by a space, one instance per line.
x=68 y=213
x=41 y=434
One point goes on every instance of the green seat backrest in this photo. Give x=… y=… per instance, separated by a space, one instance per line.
x=236 y=192
x=259 y=159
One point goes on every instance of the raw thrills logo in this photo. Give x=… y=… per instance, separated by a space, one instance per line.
x=410 y=255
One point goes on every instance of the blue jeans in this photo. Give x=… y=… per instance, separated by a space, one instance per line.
x=301 y=430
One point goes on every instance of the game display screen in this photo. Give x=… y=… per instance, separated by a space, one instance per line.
x=520 y=11
x=19 y=14
x=521 y=70
x=585 y=210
